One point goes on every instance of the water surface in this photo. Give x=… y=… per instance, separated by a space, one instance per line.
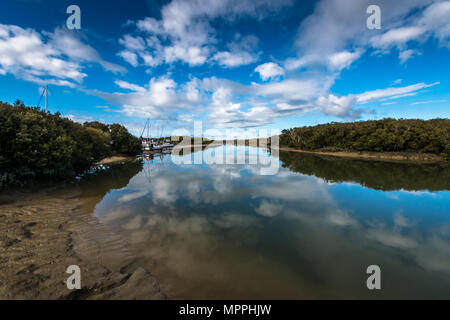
x=310 y=231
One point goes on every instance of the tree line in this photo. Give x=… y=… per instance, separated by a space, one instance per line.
x=387 y=135
x=36 y=145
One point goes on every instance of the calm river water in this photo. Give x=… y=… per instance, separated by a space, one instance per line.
x=309 y=231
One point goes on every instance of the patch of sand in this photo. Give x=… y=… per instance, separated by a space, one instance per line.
x=43 y=233
x=115 y=159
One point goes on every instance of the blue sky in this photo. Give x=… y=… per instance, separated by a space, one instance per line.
x=229 y=63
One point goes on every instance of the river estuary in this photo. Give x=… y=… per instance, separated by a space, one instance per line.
x=309 y=231
x=215 y=231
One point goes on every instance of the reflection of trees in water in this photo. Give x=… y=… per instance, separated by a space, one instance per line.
x=372 y=174
x=96 y=184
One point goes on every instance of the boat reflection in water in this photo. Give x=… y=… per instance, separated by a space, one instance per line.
x=311 y=231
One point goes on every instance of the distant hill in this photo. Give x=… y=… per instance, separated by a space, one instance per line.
x=387 y=135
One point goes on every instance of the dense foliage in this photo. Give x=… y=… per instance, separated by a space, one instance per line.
x=387 y=135
x=36 y=145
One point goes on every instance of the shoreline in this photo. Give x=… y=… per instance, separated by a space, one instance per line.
x=380 y=156
x=115 y=159
x=43 y=233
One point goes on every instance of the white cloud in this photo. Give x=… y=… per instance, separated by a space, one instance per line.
x=161 y=98
x=344 y=106
x=269 y=70
x=292 y=90
x=335 y=61
x=429 y=102
x=397 y=36
x=241 y=52
x=336 y=106
x=26 y=54
x=66 y=43
x=343 y=59
x=79 y=119
x=336 y=26
x=129 y=57
x=129 y=86
x=406 y=55
x=436 y=19
x=132 y=43
x=191 y=55
x=392 y=92
x=433 y=21
x=234 y=59
x=184 y=32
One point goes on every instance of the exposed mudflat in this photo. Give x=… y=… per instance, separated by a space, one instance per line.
x=383 y=156
x=42 y=233
x=116 y=159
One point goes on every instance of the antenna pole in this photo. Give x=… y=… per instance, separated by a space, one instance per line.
x=46 y=98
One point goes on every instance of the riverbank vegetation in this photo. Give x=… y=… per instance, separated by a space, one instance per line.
x=378 y=175
x=35 y=145
x=387 y=135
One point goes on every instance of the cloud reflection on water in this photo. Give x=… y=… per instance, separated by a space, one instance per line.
x=225 y=231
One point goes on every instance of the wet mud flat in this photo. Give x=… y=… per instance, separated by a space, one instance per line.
x=43 y=233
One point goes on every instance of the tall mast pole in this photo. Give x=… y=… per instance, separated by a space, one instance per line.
x=46 y=98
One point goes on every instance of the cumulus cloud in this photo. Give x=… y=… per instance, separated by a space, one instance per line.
x=230 y=104
x=161 y=98
x=343 y=59
x=433 y=22
x=337 y=106
x=24 y=54
x=241 y=52
x=54 y=58
x=269 y=70
x=184 y=33
x=335 y=34
x=234 y=59
x=344 y=106
x=330 y=40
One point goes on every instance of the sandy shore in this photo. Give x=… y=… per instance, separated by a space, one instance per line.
x=43 y=233
x=387 y=156
x=115 y=159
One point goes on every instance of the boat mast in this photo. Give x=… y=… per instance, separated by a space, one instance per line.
x=46 y=98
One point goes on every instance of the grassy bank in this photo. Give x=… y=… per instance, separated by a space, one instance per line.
x=36 y=146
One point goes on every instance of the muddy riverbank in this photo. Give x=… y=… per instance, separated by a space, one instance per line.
x=384 y=156
x=42 y=233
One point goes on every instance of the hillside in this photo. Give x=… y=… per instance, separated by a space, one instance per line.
x=387 y=135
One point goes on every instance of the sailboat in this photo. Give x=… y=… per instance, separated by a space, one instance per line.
x=154 y=145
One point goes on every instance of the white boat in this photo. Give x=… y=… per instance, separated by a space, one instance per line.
x=167 y=145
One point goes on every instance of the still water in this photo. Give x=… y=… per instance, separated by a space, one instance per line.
x=310 y=231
